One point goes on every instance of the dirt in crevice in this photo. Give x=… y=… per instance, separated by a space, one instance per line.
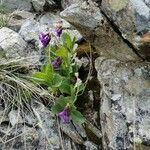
x=89 y=102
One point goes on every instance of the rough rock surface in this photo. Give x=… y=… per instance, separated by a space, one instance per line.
x=125 y=102
x=131 y=18
x=42 y=5
x=12 y=43
x=88 y=19
x=67 y=3
x=37 y=128
x=42 y=134
x=18 y=18
x=31 y=28
x=47 y=128
x=12 y=46
x=12 y=5
x=18 y=137
x=119 y=31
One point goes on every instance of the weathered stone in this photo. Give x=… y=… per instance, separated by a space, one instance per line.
x=87 y=18
x=125 y=98
x=67 y=3
x=48 y=131
x=17 y=19
x=12 y=5
x=69 y=145
x=14 y=117
x=50 y=18
x=19 y=137
x=38 y=5
x=90 y=146
x=147 y=2
x=41 y=5
x=69 y=130
x=29 y=118
x=12 y=43
x=29 y=30
x=13 y=47
x=131 y=17
x=73 y=33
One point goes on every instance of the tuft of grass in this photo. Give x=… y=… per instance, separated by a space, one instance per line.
x=4 y=20
x=16 y=88
x=17 y=92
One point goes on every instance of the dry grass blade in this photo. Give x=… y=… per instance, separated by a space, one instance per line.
x=17 y=91
x=12 y=82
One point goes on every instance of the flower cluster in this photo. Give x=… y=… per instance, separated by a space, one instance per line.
x=59 y=72
x=45 y=38
x=56 y=63
x=64 y=115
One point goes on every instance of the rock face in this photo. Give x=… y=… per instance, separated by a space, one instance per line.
x=125 y=17
x=42 y=5
x=95 y=28
x=18 y=18
x=48 y=133
x=125 y=102
x=34 y=135
x=11 y=43
x=12 y=5
x=119 y=31
x=67 y=3
x=131 y=17
x=12 y=46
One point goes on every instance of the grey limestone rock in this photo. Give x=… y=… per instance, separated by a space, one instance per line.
x=125 y=102
x=88 y=19
x=12 y=5
x=42 y=5
x=131 y=18
x=18 y=18
x=12 y=43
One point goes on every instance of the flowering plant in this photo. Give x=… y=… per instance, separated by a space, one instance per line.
x=60 y=75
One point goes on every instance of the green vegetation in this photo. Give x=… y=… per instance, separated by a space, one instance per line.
x=4 y=20
x=16 y=89
x=60 y=75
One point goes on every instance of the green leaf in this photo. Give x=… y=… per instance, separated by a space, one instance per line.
x=42 y=78
x=43 y=68
x=57 y=80
x=53 y=50
x=77 y=117
x=39 y=77
x=67 y=41
x=49 y=70
x=73 y=43
x=62 y=52
x=73 y=92
x=60 y=104
x=65 y=87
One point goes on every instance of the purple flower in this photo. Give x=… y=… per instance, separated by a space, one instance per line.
x=64 y=115
x=56 y=63
x=44 y=39
x=58 y=28
x=58 y=31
